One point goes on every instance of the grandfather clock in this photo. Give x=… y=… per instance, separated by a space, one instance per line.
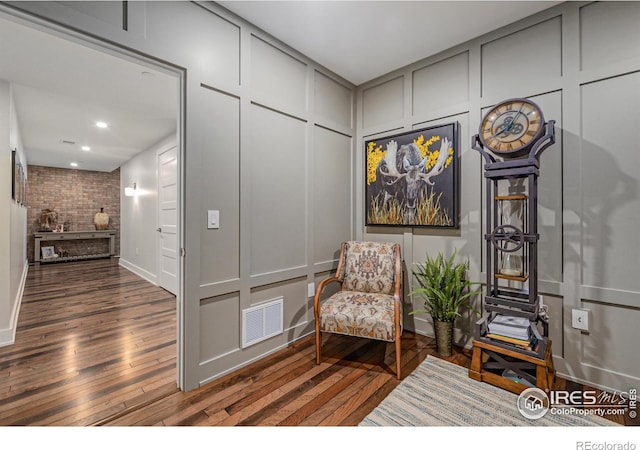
x=511 y=138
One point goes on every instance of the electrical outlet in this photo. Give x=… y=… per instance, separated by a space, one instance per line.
x=580 y=319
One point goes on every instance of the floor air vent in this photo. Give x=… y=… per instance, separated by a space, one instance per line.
x=261 y=322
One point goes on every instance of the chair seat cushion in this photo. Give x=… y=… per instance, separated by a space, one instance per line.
x=363 y=314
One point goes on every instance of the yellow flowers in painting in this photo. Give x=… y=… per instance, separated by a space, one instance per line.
x=375 y=154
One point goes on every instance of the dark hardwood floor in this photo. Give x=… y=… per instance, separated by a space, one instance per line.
x=96 y=345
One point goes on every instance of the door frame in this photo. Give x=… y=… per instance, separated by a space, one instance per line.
x=48 y=26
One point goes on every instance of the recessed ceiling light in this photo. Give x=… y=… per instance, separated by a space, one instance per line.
x=101 y=124
x=147 y=74
x=86 y=148
x=74 y=164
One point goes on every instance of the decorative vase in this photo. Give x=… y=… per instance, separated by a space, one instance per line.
x=444 y=337
x=101 y=220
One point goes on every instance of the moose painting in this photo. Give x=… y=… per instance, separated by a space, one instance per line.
x=412 y=179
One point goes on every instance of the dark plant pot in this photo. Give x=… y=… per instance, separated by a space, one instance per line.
x=444 y=337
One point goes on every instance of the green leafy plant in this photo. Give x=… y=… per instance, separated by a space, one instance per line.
x=444 y=287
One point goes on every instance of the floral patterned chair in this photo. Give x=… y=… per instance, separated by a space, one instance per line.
x=368 y=302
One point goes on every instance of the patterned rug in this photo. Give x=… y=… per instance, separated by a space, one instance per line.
x=439 y=393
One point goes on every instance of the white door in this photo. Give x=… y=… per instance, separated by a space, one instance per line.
x=168 y=218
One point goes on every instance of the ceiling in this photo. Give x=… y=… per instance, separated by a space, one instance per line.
x=361 y=40
x=61 y=88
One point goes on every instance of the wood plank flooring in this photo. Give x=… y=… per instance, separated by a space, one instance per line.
x=92 y=338
x=96 y=345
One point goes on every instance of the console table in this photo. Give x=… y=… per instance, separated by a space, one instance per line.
x=50 y=236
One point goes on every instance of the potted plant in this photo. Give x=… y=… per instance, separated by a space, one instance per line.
x=446 y=292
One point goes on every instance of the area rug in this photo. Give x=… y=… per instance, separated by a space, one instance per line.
x=439 y=393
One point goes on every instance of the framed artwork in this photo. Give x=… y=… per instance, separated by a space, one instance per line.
x=23 y=201
x=18 y=180
x=14 y=174
x=19 y=185
x=411 y=179
x=47 y=252
x=59 y=228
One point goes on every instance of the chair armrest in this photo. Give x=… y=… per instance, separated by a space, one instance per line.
x=320 y=288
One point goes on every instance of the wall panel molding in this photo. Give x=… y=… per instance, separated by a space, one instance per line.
x=440 y=85
x=532 y=55
x=613 y=297
x=592 y=170
x=607 y=45
x=383 y=102
x=277 y=76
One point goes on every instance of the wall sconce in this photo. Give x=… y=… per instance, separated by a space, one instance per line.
x=130 y=191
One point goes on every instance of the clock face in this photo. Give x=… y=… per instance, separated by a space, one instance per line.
x=511 y=127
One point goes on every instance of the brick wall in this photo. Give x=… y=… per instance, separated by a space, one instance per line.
x=76 y=195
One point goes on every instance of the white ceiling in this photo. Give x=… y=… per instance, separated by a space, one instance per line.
x=361 y=40
x=62 y=88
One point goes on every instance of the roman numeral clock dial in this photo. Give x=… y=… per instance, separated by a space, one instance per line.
x=511 y=127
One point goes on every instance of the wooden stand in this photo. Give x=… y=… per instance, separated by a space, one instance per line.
x=489 y=360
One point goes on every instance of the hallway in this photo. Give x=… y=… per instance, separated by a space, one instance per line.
x=92 y=340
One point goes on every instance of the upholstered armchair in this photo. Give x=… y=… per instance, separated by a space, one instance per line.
x=368 y=303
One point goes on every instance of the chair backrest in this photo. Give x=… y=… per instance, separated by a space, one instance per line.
x=368 y=266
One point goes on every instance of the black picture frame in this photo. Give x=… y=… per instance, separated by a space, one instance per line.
x=23 y=186
x=14 y=174
x=422 y=188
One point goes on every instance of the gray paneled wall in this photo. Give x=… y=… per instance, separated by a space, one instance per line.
x=441 y=84
x=522 y=60
x=268 y=143
x=220 y=121
x=270 y=140
x=581 y=63
x=278 y=178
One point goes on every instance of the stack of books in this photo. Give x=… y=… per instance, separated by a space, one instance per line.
x=512 y=330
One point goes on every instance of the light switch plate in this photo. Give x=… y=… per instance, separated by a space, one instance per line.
x=311 y=289
x=213 y=219
x=580 y=319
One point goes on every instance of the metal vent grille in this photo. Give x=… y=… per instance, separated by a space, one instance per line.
x=262 y=322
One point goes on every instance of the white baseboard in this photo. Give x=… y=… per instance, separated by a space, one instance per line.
x=8 y=335
x=142 y=273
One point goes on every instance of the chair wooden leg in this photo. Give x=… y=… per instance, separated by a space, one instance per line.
x=398 y=358
x=318 y=345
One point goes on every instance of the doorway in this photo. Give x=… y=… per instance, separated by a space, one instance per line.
x=64 y=79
